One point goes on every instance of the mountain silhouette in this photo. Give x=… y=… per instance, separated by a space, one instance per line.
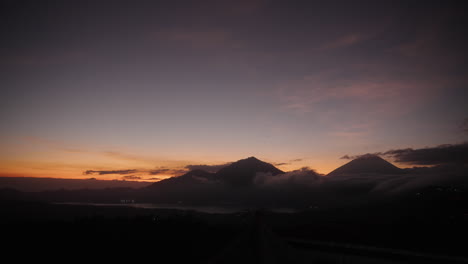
x=239 y=173
x=231 y=184
x=252 y=182
x=243 y=172
x=366 y=164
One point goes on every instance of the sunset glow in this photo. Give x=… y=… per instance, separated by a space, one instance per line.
x=147 y=92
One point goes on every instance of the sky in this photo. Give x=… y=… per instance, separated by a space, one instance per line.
x=144 y=90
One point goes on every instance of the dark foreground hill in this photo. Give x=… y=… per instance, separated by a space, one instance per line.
x=389 y=233
x=29 y=184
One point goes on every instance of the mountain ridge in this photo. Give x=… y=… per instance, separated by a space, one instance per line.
x=239 y=173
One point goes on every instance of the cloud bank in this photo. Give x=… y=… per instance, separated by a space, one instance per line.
x=439 y=155
x=302 y=177
x=443 y=154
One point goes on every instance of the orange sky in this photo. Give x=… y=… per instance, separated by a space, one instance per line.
x=35 y=157
x=141 y=95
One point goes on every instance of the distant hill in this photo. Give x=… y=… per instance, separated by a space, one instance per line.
x=367 y=164
x=31 y=184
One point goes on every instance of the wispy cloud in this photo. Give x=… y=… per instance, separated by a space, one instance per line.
x=208 y=168
x=281 y=163
x=287 y=163
x=364 y=91
x=140 y=172
x=104 y=172
x=344 y=41
x=167 y=171
x=131 y=177
x=158 y=171
x=347 y=157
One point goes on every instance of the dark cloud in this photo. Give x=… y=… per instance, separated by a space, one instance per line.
x=287 y=163
x=410 y=181
x=131 y=177
x=208 y=168
x=158 y=171
x=296 y=160
x=166 y=171
x=443 y=154
x=351 y=157
x=103 y=172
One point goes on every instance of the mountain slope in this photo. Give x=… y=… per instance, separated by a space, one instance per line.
x=243 y=172
x=191 y=178
x=367 y=164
